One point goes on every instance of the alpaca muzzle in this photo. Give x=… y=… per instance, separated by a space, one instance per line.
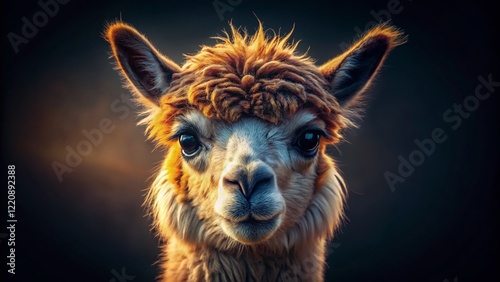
x=249 y=202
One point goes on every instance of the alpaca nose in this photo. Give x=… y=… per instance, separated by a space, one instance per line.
x=253 y=177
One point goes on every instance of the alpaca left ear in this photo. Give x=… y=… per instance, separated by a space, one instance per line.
x=352 y=72
x=148 y=72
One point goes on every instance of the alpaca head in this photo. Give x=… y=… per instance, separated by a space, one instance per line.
x=246 y=124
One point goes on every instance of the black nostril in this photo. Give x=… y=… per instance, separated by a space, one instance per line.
x=229 y=182
x=261 y=178
x=238 y=184
x=262 y=181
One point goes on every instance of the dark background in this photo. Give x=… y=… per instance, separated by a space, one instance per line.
x=441 y=223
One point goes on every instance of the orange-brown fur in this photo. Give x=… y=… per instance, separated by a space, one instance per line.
x=248 y=76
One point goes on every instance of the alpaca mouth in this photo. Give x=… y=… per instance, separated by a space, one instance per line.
x=250 y=219
x=257 y=224
x=251 y=230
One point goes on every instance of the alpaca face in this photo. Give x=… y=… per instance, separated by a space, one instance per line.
x=246 y=124
x=252 y=170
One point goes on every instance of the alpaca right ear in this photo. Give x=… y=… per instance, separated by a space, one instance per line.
x=351 y=73
x=148 y=72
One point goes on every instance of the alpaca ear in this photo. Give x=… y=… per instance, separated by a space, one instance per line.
x=148 y=73
x=351 y=73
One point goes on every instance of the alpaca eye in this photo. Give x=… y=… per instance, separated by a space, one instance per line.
x=189 y=144
x=308 y=142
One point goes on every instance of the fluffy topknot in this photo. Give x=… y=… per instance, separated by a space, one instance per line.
x=245 y=75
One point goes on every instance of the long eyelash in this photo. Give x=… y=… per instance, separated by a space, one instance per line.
x=185 y=129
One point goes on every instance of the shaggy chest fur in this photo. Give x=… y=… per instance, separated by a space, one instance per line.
x=187 y=263
x=195 y=250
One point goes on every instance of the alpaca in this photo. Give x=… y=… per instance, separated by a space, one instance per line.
x=246 y=191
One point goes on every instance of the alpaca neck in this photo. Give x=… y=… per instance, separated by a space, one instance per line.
x=190 y=263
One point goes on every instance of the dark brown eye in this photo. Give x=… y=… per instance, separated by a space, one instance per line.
x=308 y=142
x=189 y=144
